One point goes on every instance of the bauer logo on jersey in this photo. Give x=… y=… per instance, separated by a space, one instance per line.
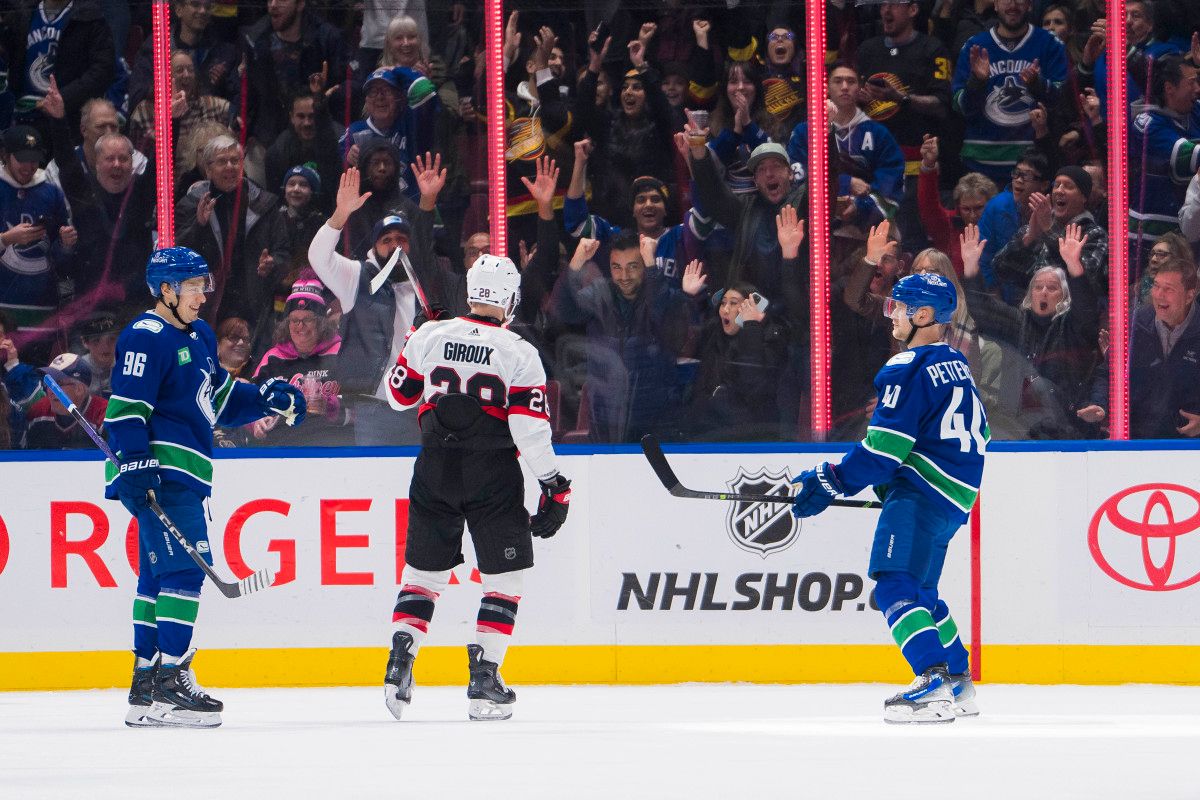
x=762 y=528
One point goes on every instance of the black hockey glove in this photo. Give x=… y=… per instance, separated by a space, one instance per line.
x=552 y=507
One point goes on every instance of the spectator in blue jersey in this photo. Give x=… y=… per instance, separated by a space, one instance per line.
x=870 y=164
x=285 y=52
x=1035 y=244
x=98 y=337
x=1001 y=76
x=168 y=395
x=231 y=222
x=650 y=197
x=1006 y=212
x=1167 y=130
x=311 y=139
x=1056 y=329
x=401 y=107
x=1144 y=48
x=49 y=426
x=37 y=239
x=1164 y=357
x=69 y=40
x=305 y=352
x=637 y=327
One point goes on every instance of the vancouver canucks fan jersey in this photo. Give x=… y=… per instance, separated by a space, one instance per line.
x=929 y=430
x=998 y=126
x=169 y=390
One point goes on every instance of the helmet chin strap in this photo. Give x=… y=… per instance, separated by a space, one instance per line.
x=174 y=309
x=913 y=328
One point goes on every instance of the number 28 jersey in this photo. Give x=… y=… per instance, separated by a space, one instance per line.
x=474 y=355
x=929 y=430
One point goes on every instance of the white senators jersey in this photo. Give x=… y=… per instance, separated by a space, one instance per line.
x=473 y=355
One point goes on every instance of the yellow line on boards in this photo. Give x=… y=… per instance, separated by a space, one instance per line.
x=623 y=664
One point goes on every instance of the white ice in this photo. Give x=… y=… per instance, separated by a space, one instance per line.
x=690 y=741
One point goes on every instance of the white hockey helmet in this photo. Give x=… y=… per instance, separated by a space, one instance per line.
x=495 y=281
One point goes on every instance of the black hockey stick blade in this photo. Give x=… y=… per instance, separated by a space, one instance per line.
x=658 y=462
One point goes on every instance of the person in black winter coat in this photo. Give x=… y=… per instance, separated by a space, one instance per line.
x=1056 y=328
x=311 y=139
x=380 y=165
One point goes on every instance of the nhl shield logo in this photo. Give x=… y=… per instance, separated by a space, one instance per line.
x=761 y=528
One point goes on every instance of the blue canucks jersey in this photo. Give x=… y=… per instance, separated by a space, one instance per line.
x=929 y=430
x=41 y=50
x=998 y=126
x=169 y=390
x=1171 y=145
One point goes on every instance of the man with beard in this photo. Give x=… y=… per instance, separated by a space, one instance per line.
x=311 y=139
x=1001 y=76
x=378 y=303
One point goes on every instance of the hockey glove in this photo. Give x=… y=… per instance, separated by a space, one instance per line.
x=552 y=507
x=818 y=488
x=280 y=397
x=136 y=478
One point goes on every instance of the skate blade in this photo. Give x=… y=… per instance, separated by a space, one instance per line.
x=137 y=717
x=165 y=715
x=483 y=710
x=391 y=698
x=968 y=708
x=936 y=713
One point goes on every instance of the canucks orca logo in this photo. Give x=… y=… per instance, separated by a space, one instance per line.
x=761 y=528
x=205 y=394
x=1009 y=104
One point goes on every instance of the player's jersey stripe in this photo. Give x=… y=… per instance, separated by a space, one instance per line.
x=222 y=395
x=120 y=408
x=888 y=443
x=953 y=490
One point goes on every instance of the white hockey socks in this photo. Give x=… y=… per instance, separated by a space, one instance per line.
x=498 y=613
x=419 y=592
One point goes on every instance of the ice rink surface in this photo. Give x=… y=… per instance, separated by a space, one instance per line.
x=691 y=741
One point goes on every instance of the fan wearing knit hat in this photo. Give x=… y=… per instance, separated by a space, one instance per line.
x=306 y=346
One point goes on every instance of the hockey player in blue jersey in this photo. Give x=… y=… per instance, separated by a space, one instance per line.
x=169 y=390
x=923 y=453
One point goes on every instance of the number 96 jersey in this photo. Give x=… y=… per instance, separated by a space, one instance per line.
x=475 y=356
x=929 y=430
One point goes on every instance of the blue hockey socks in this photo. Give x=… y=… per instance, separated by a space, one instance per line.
x=911 y=623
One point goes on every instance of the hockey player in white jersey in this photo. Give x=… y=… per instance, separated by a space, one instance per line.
x=480 y=393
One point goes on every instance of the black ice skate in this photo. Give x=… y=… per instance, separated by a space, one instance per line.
x=180 y=702
x=398 y=681
x=964 y=695
x=928 y=699
x=141 y=694
x=490 y=698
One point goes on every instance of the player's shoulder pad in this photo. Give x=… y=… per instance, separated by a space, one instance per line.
x=147 y=324
x=901 y=358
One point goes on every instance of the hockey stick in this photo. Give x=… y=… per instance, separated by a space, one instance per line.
x=259 y=580
x=658 y=463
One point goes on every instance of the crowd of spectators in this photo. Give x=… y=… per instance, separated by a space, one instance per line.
x=657 y=161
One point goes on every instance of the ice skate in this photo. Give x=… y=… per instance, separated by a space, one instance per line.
x=141 y=694
x=398 y=681
x=180 y=702
x=928 y=699
x=490 y=698
x=964 y=695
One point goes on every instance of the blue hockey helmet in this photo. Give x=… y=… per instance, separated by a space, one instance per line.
x=173 y=266
x=924 y=289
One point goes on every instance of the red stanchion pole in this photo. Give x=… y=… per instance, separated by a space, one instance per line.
x=818 y=224
x=493 y=24
x=1118 y=225
x=160 y=18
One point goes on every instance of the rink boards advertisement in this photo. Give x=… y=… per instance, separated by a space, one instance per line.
x=1088 y=567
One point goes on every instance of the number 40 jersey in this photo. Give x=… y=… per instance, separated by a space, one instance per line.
x=474 y=355
x=929 y=430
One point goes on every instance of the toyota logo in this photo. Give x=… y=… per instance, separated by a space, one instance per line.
x=1150 y=513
